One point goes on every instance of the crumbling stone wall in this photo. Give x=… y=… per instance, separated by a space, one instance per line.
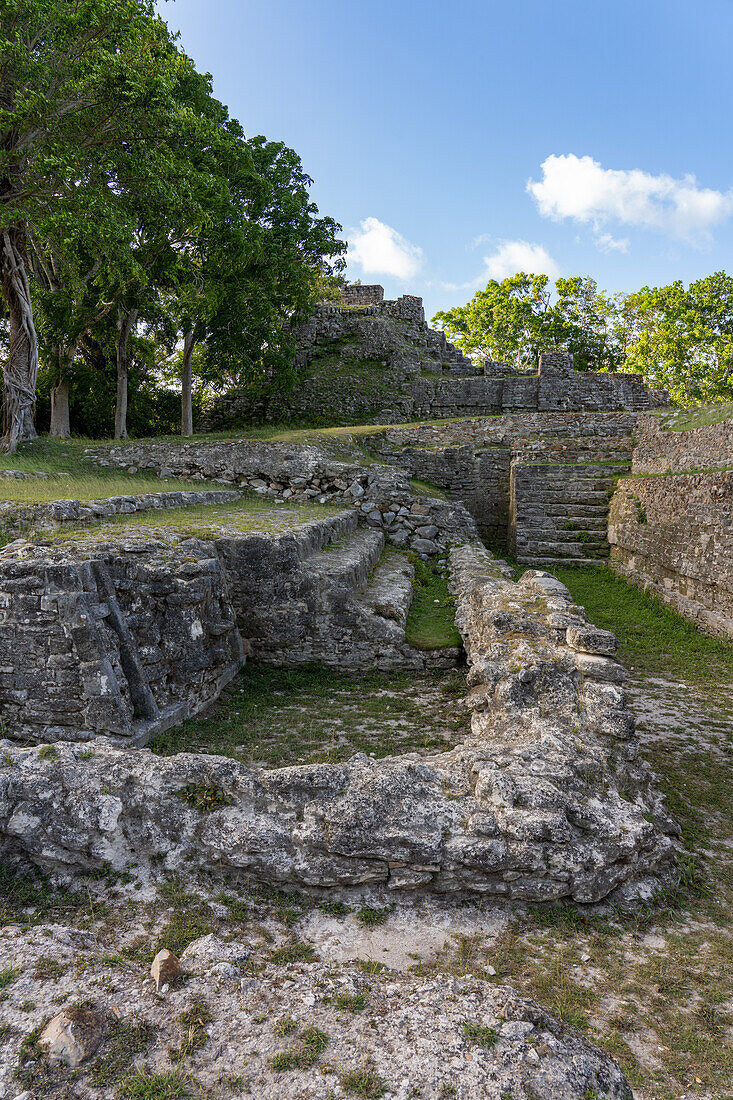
x=671 y=525
x=381 y=363
x=122 y=640
x=663 y=452
x=673 y=536
x=16 y=517
x=359 y=294
x=132 y=635
x=296 y=472
x=546 y=799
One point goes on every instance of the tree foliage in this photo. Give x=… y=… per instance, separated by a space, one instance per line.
x=679 y=339
x=130 y=201
x=515 y=319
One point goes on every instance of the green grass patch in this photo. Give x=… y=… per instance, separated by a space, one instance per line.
x=73 y=476
x=364 y=1082
x=204 y=796
x=145 y=1085
x=276 y=717
x=484 y=1037
x=311 y=1044
x=250 y=513
x=124 y=1040
x=27 y=895
x=371 y=918
x=293 y=952
x=8 y=975
x=426 y=488
x=191 y=917
x=431 y=620
x=653 y=638
x=685 y=420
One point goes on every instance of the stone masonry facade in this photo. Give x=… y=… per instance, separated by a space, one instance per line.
x=381 y=363
x=671 y=523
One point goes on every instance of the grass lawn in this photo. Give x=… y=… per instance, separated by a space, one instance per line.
x=683 y=420
x=72 y=475
x=274 y=717
x=250 y=513
x=654 y=639
x=431 y=620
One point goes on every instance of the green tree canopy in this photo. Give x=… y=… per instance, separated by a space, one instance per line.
x=130 y=198
x=517 y=318
x=682 y=339
x=79 y=83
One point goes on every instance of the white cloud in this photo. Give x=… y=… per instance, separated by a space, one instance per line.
x=509 y=258
x=513 y=256
x=607 y=243
x=380 y=250
x=582 y=189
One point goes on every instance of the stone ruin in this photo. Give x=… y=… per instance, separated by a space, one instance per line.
x=123 y=636
x=370 y=360
x=111 y=635
x=358 y=294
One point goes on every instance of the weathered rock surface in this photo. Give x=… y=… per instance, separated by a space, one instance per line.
x=431 y=1037
x=72 y=1036
x=546 y=800
x=122 y=638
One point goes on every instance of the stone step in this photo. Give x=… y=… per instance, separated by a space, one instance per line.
x=564 y=465
x=525 y=559
x=562 y=510
x=540 y=521
x=544 y=497
x=556 y=539
x=390 y=591
x=348 y=562
x=529 y=481
x=317 y=535
x=547 y=547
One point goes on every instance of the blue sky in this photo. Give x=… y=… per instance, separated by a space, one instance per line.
x=457 y=141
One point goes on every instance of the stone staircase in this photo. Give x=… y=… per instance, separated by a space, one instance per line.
x=339 y=600
x=327 y=594
x=559 y=509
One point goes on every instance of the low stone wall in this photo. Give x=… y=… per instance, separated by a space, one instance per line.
x=661 y=452
x=673 y=536
x=545 y=800
x=122 y=640
x=16 y=517
x=506 y=428
x=300 y=472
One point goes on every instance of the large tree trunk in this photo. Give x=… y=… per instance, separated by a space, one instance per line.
x=186 y=398
x=125 y=323
x=60 y=420
x=21 y=369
